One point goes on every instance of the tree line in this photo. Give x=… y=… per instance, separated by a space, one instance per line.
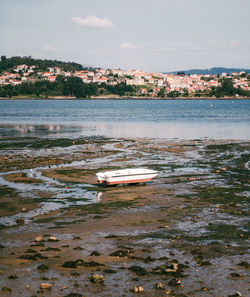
x=63 y=86
x=7 y=64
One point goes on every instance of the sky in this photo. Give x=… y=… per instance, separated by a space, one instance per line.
x=149 y=35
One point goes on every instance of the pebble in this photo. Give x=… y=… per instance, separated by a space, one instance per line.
x=45 y=286
x=20 y=221
x=138 y=289
x=52 y=238
x=160 y=286
x=39 y=238
x=97 y=278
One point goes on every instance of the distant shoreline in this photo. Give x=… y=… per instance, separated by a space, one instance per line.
x=125 y=98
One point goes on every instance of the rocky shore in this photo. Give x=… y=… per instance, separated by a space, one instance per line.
x=182 y=234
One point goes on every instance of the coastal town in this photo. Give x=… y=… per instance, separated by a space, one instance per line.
x=145 y=84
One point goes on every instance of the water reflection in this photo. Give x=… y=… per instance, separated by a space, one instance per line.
x=50 y=130
x=168 y=130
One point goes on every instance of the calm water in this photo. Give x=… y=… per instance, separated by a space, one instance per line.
x=223 y=119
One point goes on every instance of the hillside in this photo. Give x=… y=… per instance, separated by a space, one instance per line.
x=8 y=63
x=212 y=71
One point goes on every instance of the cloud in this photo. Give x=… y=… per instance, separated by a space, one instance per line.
x=127 y=46
x=159 y=47
x=176 y=47
x=132 y=47
x=93 y=22
x=49 y=48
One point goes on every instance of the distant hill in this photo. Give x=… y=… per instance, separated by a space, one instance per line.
x=9 y=63
x=212 y=71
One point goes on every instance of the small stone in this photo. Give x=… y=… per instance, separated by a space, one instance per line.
x=20 y=221
x=119 y=253
x=234 y=274
x=43 y=267
x=140 y=289
x=97 y=278
x=95 y=253
x=237 y=294
x=135 y=289
x=70 y=264
x=45 y=286
x=160 y=286
x=244 y=264
x=138 y=270
x=39 y=238
x=52 y=238
x=174 y=282
x=27 y=286
x=13 y=276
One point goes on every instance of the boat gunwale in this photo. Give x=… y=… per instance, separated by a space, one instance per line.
x=112 y=176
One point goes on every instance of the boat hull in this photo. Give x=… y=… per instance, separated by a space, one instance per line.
x=125 y=176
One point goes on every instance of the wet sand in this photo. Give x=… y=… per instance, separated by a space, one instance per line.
x=185 y=233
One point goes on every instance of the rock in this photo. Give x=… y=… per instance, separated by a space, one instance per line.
x=234 y=274
x=95 y=253
x=109 y=271
x=20 y=221
x=45 y=286
x=90 y=264
x=97 y=278
x=77 y=248
x=135 y=289
x=244 y=264
x=138 y=289
x=160 y=286
x=39 y=238
x=2 y=246
x=237 y=294
x=27 y=286
x=52 y=238
x=174 y=282
x=28 y=257
x=119 y=253
x=70 y=264
x=52 y=249
x=43 y=267
x=30 y=251
x=13 y=276
x=74 y=295
x=138 y=270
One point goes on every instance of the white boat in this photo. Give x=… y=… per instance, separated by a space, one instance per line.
x=126 y=176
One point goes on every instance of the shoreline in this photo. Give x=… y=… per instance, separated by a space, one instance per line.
x=128 y=98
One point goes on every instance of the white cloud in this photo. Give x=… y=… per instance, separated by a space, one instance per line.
x=92 y=21
x=160 y=47
x=49 y=48
x=127 y=46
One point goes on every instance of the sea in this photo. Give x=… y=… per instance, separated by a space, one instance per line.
x=170 y=119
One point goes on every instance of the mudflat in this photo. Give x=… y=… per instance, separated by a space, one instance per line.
x=185 y=233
